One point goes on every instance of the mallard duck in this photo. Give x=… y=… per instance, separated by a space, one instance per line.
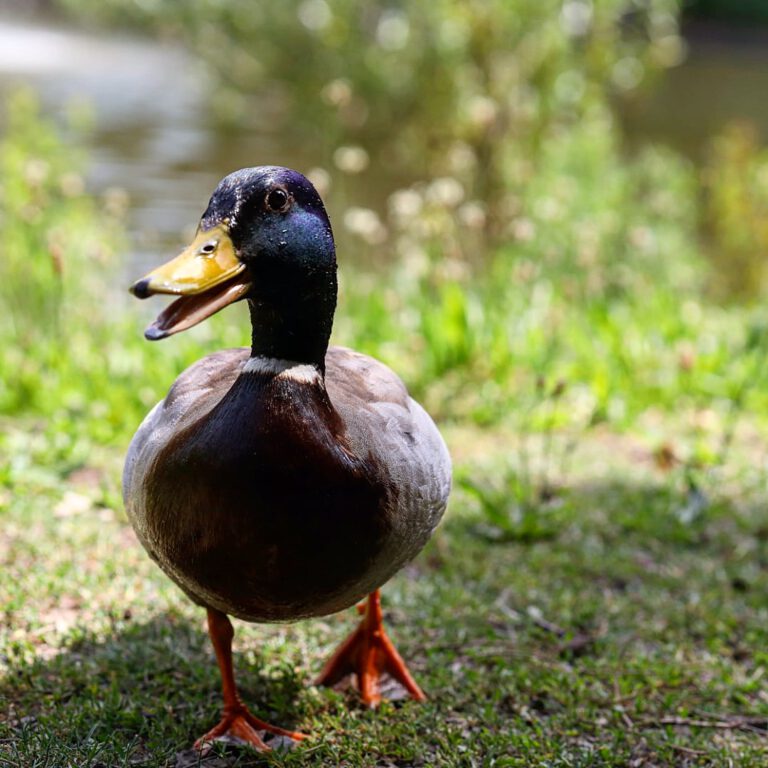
x=288 y=480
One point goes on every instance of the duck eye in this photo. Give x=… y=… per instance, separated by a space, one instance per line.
x=208 y=248
x=277 y=200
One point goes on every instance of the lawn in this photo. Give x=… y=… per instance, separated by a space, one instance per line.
x=628 y=628
x=585 y=323
x=595 y=595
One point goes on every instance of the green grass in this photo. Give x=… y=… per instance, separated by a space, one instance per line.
x=628 y=633
x=596 y=595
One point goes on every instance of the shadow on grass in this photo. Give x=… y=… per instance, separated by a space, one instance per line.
x=512 y=634
x=675 y=514
x=140 y=696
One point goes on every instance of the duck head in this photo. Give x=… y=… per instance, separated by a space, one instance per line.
x=264 y=237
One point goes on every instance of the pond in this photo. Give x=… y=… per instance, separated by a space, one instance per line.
x=154 y=136
x=723 y=78
x=150 y=134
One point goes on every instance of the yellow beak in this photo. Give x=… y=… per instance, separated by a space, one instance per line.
x=208 y=261
x=207 y=275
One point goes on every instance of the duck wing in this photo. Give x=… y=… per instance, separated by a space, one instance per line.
x=383 y=423
x=194 y=394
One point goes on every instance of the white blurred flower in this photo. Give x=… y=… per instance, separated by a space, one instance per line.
x=523 y=230
x=414 y=257
x=72 y=184
x=351 y=159
x=670 y=50
x=321 y=180
x=576 y=17
x=366 y=224
x=582 y=403
x=36 y=172
x=482 y=111
x=627 y=73
x=405 y=203
x=663 y=22
x=708 y=420
x=461 y=157
x=393 y=30
x=315 y=14
x=337 y=93
x=547 y=209
x=445 y=191
x=472 y=214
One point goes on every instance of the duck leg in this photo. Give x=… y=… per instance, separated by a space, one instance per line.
x=368 y=653
x=236 y=721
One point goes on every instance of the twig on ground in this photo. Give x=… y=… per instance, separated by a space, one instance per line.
x=733 y=723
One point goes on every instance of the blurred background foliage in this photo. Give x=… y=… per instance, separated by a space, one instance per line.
x=573 y=284
x=467 y=90
x=514 y=240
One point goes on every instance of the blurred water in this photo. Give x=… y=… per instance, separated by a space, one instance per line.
x=724 y=78
x=154 y=135
x=146 y=101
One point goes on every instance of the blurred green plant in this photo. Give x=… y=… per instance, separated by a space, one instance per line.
x=510 y=512
x=56 y=239
x=735 y=212
x=600 y=255
x=524 y=499
x=586 y=307
x=594 y=276
x=58 y=243
x=599 y=286
x=468 y=90
x=72 y=349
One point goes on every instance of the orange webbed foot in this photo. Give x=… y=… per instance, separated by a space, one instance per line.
x=369 y=655
x=237 y=723
x=241 y=726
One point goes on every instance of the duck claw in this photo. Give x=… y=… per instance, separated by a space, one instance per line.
x=369 y=654
x=241 y=727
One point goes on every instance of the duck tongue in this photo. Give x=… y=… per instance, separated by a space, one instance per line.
x=191 y=310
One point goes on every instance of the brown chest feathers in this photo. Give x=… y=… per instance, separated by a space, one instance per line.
x=261 y=510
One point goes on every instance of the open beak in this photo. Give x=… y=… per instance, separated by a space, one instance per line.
x=207 y=276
